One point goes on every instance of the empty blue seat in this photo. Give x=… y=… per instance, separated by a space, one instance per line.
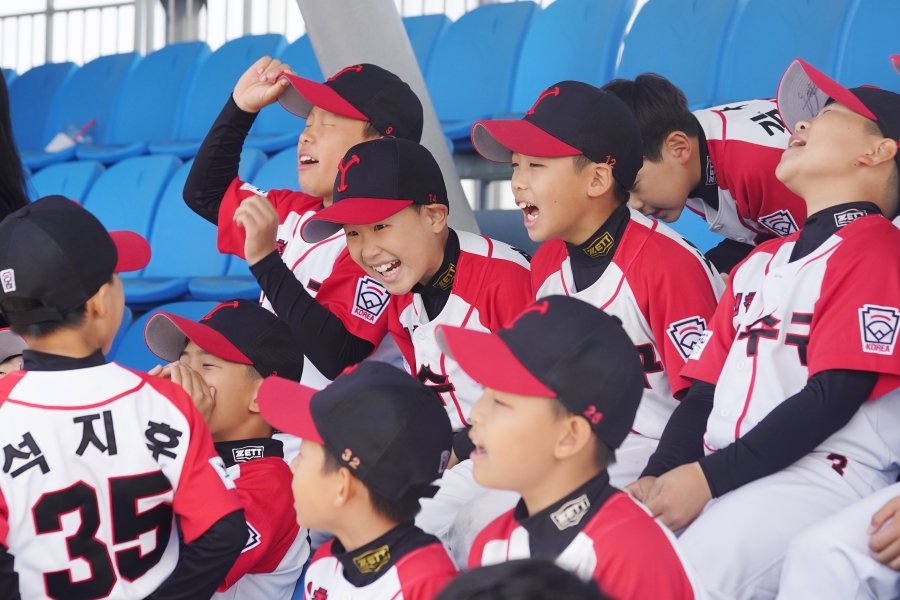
x=695 y=229
x=149 y=104
x=210 y=88
x=72 y=179
x=34 y=100
x=9 y=75
x=279 y=173
x=868 y=37
x=275 y=128
x=764 y=36
x=133 y=352
x=423 y=33
x=681 y=41
x=470 y=75
x=506 y=226
x=91 y=93
x=127 y=317
x=570 y=39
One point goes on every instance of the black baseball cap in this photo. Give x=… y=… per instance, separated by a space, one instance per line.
x=239 y=331
x=391 y=431
x=376 y=180
x=10 y=345
x=365 y=92
x=568 y=119
x=562 y=348
x=58 y=254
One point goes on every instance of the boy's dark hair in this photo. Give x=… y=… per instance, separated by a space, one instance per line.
x=620 y=194
x=397 y=511
x=370 y=132
x=659 y=107
x=531 y=579
x=71 y=320
x=605 y=455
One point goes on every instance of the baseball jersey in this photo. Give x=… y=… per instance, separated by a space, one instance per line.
x=97 y=462
x=325 y=268
x=489 y=285
x=781 y=322
x=739 y=196
x=596 y=532
x=660 y=287
x=403 y=564
x=277 y=548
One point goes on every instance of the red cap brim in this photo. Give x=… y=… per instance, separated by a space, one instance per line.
x=497 y=140
x=895 y=62
x=285 y=405
x=133 y=250
x=303 y=94
x=349 y=211
x=804 y=90
x=166 y=335
x=486 y=359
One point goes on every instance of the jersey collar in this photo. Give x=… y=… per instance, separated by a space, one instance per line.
x=241 y=451
x=708 y=188
x=437 y=291
x=32 y=360
x=590 y=259
x=822 y=225
x=367 y=563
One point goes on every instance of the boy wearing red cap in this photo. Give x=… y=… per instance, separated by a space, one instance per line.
x=221 y=361
x=793 y=413
x=11 y=347
x=98 y=460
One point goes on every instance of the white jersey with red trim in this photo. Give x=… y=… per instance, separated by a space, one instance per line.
x=490 y=287
x=745 y=141
x=780 y=323
x=96 y=464
x=663 y=291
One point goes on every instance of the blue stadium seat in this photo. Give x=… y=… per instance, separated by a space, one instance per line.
x=506 y=226
x=127 y=317
x=91 y=93
x=210 y=88
x=9 y=75
x=34 y=100
x=275 y=128
x=423 y=33
x=133 y=352
x=149 y=104
x=695 y=229
x=570 y=39
x=764 y=36
x=867 y=38
x=72 y=179
x=470 y=75
x=681 y=41
x=279 y=173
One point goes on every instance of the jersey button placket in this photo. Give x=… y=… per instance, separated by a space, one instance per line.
x=420 y=334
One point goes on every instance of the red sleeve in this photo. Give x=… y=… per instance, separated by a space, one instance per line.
x=425 y=572
x=708 y=357
x=498 y=529
x=546 y=260
x=509 y=293
x=201 y=497
x=4 y=521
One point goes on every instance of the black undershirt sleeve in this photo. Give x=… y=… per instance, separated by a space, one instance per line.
x=726 y=255
x=217 y=162
x=9 y=579
x=324 y=338
x=791 y=431
x=682 y=439
x=204 y=563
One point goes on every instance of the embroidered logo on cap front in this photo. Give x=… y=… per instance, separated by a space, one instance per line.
x=232 y=304
x=878 y=327
x=601 y=246
x=554 y=91
x=354 y=160
x=571 y=513
x=8 y=280
x=356 y=68
x=686 y=334
x=247 y=453
x=781 y=223
x=373 y=560
x=446 y=279
x=848 y=216
x=540 y=308
x=371 y=299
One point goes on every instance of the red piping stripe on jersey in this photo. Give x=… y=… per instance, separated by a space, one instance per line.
x=316 y=245
x=452 y=395
x=8 y=383
x=630 y=262
x=103 y=403
x=737 y=427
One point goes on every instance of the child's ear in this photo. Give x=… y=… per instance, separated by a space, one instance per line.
x=602 y=180
x=254 y=404
x=677 y=145
x=577 y=434
x=346 y=488
x=436 y=216
x=98 y=305
x=883 y=151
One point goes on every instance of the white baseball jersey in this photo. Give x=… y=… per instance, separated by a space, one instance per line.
x=663 y=291
x=96 y=464
x=744 y=143
x=489 y=286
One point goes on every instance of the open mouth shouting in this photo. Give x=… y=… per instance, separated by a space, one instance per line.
x=531 y=212
x=388 y=271
x=305 y=161
x=796 y=141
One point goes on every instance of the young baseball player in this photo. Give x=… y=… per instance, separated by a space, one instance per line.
x=795 y=382
x=11 y=348
x=221 y=362
x=317 y=289
x=373 y=443
x=719 y=162
x=575 y=154
x=547 y=427
x=98 y=460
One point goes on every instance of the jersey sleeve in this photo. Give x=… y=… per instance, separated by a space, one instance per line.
x=425 y=577
x=709 y=353
x=547 y=260
x=509 y=293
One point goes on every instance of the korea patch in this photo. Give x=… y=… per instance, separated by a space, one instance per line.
x=371 y=299
x=846 y=217
x=248 y=187
x=878 y=327
x=571 y=513
x=780 y=222
x=701 y=344
x=686 y=334
x=247 y=453
x=8 y=280
x=253 y=538
x=219 y=465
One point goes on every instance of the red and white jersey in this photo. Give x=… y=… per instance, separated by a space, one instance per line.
x=744 y=143
x=277 y=548
x=780 y=323
x=663 y=291
x=96 y=464
x=325 y=268
x=490 y=286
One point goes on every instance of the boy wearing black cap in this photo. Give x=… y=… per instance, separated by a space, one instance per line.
x=793 y=413
x=11 y=348
x=374 y=441
x=221 y=362
x=125 y=451
x=547 y=426
x=316 y=288
x=575 y=155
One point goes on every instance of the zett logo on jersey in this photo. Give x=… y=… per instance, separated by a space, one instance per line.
x=846 y=217
x=373 y=560
x=781 y=223
x=445 y=281
x=601 y=246
x=571 y=513
x=686 y=334
x=371 y=299
x=247 y=453
x=878 y=327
